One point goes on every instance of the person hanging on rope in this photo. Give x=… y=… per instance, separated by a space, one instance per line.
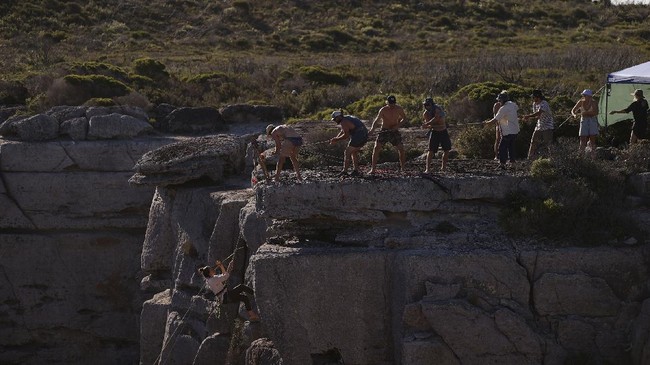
x=353 y=128
x=287 y=142
x=218 y=285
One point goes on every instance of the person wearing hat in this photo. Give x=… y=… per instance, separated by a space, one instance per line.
x=392 y=116
x=218 y=285
x=353 y=128
x=434 y=119
x=639 y=109
x=287 y=142
x=587 y=108
x=508 y=121
x=543 y=133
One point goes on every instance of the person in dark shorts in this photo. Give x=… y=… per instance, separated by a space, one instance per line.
x=353 y=128
x=392 y=116
x=287 y=144
x=639 y=109
x=434 y=119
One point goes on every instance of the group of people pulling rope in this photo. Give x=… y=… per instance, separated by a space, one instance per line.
x=391 y=117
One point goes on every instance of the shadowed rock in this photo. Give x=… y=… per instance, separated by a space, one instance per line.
x=215 y=157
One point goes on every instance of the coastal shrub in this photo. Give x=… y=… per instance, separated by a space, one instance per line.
x=77 y=89
x=99 y=68
x=321 y=75
x=476 y=141
x=583 y=204
x=151 y=68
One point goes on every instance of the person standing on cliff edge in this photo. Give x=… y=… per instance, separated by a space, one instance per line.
x=287 y=143
x=392 y=117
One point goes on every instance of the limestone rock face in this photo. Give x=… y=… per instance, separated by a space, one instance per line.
x=70 y=246
x=214 y=157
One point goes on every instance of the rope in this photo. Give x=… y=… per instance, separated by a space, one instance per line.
x=162 y=350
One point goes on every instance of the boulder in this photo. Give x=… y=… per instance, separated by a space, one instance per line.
x=131 y=111
x=64 y=112
x=215 y=157
x=76 y=128
x=263 y=352
x=40 y=127
x=116 y=126
x=152 y=326
x=213 y=350
x=244 y=113
x=194 y=120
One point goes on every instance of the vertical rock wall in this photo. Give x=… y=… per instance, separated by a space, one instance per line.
x=71 y=230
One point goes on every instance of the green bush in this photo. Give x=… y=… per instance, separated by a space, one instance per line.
x=476 y=141
x=77 y=89
x=320 y=75
x=150 y=68
x=99 y=68
x=583 y=202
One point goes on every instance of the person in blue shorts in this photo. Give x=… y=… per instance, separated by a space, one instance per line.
x=287 y=142
x=353 y=128
x=587 y=109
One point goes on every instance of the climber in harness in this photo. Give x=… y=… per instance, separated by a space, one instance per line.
x=218 y=285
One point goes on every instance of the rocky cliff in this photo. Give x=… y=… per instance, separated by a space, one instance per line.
x=70 y=241
x=72 y=226
x=392 y=270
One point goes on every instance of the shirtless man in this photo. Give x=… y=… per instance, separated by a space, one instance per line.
x=434 y=119
x=392 y=116
x=287 y=142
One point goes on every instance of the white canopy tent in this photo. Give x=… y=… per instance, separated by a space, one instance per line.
x=620 y=85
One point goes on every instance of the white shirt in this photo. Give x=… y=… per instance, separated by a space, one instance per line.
x=217 y=283
x=508 y=119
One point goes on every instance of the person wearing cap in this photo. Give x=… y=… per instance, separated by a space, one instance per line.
x=218 y=285
x=287 y=142
x=543 y=133
x=434 y=119
x=392 y=116
x=587 y=109
x=508 y=121
x=639 y=109
x=353 y=128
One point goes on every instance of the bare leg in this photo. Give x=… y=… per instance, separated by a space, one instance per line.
x=402 y=156
x=375 y=156
x=497 y=138
x=279 y=167
x=347 y=157
x=592 y=143
x=294 y=162
x=427 y=167
x=445 y=158
x=354 y=156
x=583 y=144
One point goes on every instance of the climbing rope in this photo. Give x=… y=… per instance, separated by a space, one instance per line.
x=200 y=293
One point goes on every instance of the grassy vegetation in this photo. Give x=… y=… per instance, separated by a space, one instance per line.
x=334 y=54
